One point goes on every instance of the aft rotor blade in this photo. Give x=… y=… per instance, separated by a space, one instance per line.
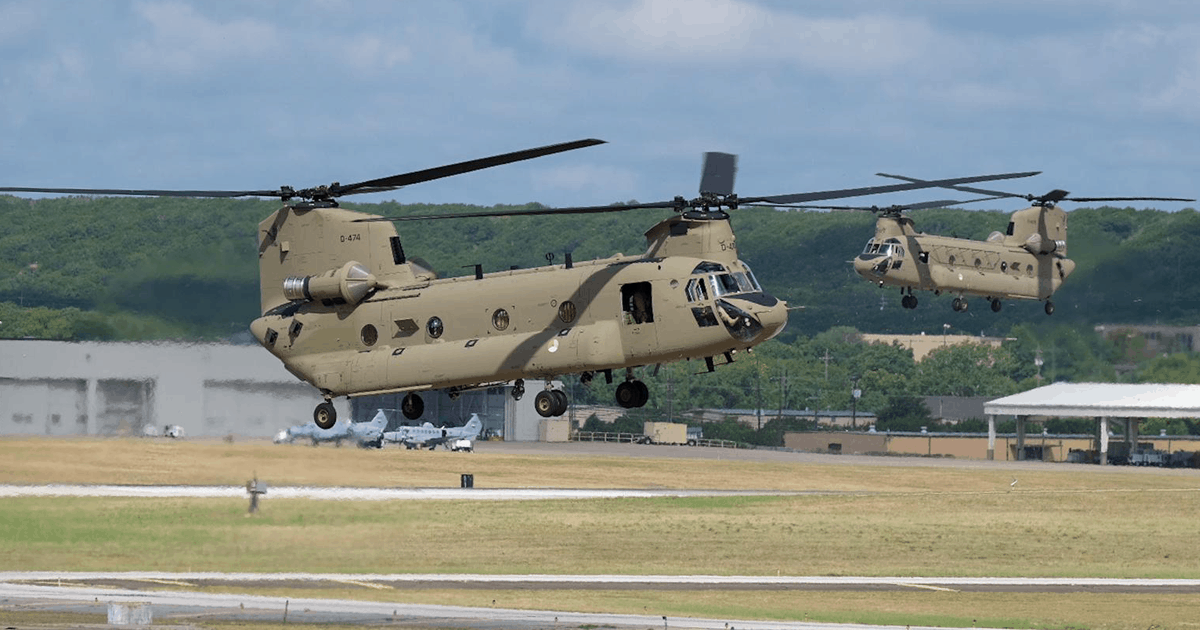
x=717 y=177
x=525 y=213
x=876 y=190
x=1128 y=199
x=404 y=179
x=145 y=193
x=943 y=203
x=1047 y=197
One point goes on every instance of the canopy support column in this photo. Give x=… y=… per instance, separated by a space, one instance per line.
x=991 y=450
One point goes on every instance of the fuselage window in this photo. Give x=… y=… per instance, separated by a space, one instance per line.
x=636 y=303
x=696 y=291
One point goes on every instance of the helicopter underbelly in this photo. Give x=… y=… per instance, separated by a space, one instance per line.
x=458 y=363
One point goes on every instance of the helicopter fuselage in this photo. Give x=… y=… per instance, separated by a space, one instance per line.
x=413 y=332
x=1002 y=267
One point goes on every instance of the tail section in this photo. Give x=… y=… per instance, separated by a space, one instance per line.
x=473 y=427
x=1039 y=229
x=325 y=254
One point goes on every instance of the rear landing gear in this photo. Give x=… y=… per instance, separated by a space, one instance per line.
x=325 y=416
x=959 y=304
x=1049 y=307
x=996 y=305
x=909 y=301
x=550 y=403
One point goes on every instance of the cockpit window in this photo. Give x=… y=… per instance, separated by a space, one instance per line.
x=724 y=284
x=890 y=247
x=709 y=267
x=753 y=281
x=696 y=291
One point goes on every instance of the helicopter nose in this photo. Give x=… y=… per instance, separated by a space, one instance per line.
x=773 y=320
x=867 y=267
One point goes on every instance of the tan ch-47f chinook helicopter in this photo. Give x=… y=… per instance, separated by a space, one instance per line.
x=346 y=311
x=1027 y=262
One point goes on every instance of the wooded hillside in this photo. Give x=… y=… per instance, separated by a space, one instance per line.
x=128 y=268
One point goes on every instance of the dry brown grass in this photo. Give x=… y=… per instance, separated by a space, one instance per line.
x=878 y=520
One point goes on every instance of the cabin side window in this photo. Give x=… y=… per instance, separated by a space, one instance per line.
x=696 y=292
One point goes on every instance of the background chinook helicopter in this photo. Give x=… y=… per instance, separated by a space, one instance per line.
x=346 y=311
x=1027 y=262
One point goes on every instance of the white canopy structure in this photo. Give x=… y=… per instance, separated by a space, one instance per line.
x=1130 y=402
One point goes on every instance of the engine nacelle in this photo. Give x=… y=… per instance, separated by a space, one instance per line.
x=350 y=284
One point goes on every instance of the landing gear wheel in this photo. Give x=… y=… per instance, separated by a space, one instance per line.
x=643 y=393
x=627 y=394
x=412 y=406
x=959 y=304
x=909 y=301
x=518 y=389
x=325 y=416
x=1049 y=307
x=545 y=403
x=997 y=305
x=560 y=401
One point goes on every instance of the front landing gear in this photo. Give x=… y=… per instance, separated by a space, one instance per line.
x=412 y=406
x=632 y=394
x=1049 y=307
x=325 y=416
x=959 y=305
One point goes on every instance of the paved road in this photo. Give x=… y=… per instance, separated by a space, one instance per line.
x=92 y=592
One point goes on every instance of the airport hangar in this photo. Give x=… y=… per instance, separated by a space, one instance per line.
x=1106 y=402
x=215 y=390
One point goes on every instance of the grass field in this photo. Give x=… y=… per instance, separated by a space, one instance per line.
x=865 y=520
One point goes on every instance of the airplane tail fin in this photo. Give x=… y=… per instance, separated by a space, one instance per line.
x=474 y=426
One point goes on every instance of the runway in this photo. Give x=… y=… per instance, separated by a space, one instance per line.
x=92 y=592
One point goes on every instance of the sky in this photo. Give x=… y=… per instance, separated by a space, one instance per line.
x=1103 y=96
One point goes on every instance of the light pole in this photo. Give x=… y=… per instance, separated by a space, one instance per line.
x=855 y=393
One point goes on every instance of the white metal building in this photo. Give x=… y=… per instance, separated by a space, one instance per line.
x=1106 y=402
x=103 y=388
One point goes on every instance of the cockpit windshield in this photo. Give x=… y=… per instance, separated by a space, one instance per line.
x=731 y=283
x=890 y=247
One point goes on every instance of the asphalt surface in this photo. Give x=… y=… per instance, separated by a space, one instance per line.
x=93 y=592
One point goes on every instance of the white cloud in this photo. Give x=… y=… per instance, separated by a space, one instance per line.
x=614 y=181
x=730 y=32
x=181 y=41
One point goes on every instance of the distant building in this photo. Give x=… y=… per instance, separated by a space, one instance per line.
x=1143 y=342
x=136 y=389
x=955 y=409
x=751 y=417
x=921 y=345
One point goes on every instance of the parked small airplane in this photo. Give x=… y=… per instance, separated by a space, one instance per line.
x=430 y=436
x=364 y=434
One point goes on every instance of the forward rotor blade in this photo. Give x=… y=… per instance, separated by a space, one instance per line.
x=404 y=179
x=977 y=191
x=145 y=193
x=876 y=190
x=524 y=213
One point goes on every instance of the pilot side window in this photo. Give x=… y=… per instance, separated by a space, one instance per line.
x=696 y=292
x=636 y=303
